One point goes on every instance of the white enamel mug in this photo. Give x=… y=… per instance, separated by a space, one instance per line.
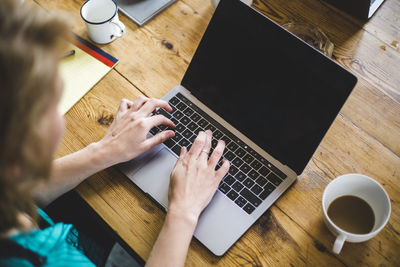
x=101 y=19
x=365 y=188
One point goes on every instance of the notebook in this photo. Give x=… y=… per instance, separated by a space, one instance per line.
x=81 y=71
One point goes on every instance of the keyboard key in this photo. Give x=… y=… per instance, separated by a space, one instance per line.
x=188 y=112
x=263 y=160
x=178 y=115
x=224 y=188
x=237 y=186
x=233 y=170
x=219 y=164
x=245 y=168
x=174 y=101
x=192 y=138
x=163 y=112
x=264 y=194
x=184 y=142
x=195 y=117
x=217 y=134
x=248 y=182
x=154 y=130
x=175 y=121
x=256 y=189
x=169 y=143
x=162 y=127
x=255 y=164
x=181 y=106
x=187 y=134
x=237 y=162
x=274 y=179
x=214 y=143
x=192 y=126
x=277 y=171
x=202 y=123
x=196 y=132
x=232 y=195
x=180 y=96
x=264 y=171
x=232 y=146
x=240 y=152
x=229 y=179
x=249 y=196
x=240 y=201
x=240 y=176
x=261 y=181
x=269 y=187
x=177 y=137
x=267 y=191
x=176 y=149
x=210 y=127
x=248 y=158
x=249 y=208
x=226 y=139
x=180 y=127
x=229 y=155
x=253 y=174
x=185 y=120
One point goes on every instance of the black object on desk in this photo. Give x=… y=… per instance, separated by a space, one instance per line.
x=362 y=9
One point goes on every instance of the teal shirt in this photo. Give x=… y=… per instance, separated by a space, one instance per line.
x=53 y=242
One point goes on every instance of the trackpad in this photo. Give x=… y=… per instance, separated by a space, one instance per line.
x=153 y=177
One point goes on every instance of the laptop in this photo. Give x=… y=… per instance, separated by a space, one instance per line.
x=142 y=11
x=269 y=95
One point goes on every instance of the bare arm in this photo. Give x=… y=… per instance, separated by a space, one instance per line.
x=194 y=181
x=124 y=140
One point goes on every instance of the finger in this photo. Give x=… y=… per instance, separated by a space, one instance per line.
x=129 y=103
x=123 y=107
x=221 y=172
x=158 y=139
x=183 y=153
x=158 y=120
x=139 y=102
x=197 y=146
x=152 y=104
x=217 y=154
x=207 y=146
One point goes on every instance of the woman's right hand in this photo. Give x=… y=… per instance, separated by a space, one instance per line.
x=194 y=179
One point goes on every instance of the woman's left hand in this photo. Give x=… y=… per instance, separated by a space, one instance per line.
x=127 y=136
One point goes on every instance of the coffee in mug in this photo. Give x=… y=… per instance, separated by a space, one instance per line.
x=352 y=214
x=355 y=209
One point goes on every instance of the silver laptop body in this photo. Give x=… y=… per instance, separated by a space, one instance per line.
x=223 y=222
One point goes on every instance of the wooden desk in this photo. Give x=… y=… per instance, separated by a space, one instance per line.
x=365 y=137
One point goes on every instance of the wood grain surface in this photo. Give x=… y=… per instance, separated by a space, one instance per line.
x=365 y=137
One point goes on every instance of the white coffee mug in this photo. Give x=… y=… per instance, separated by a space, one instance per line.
x=365 y=188
x=101 y=19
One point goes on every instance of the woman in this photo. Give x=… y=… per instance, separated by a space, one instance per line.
x=31 y=130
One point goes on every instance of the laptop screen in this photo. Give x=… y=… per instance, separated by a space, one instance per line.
x=267 y=83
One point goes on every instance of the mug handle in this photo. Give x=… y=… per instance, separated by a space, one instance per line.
x=337 y=246
x=121 y=28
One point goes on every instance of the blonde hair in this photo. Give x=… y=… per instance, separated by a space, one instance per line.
x=31 y=42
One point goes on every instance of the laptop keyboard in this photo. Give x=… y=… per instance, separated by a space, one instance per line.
x=250 y=179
